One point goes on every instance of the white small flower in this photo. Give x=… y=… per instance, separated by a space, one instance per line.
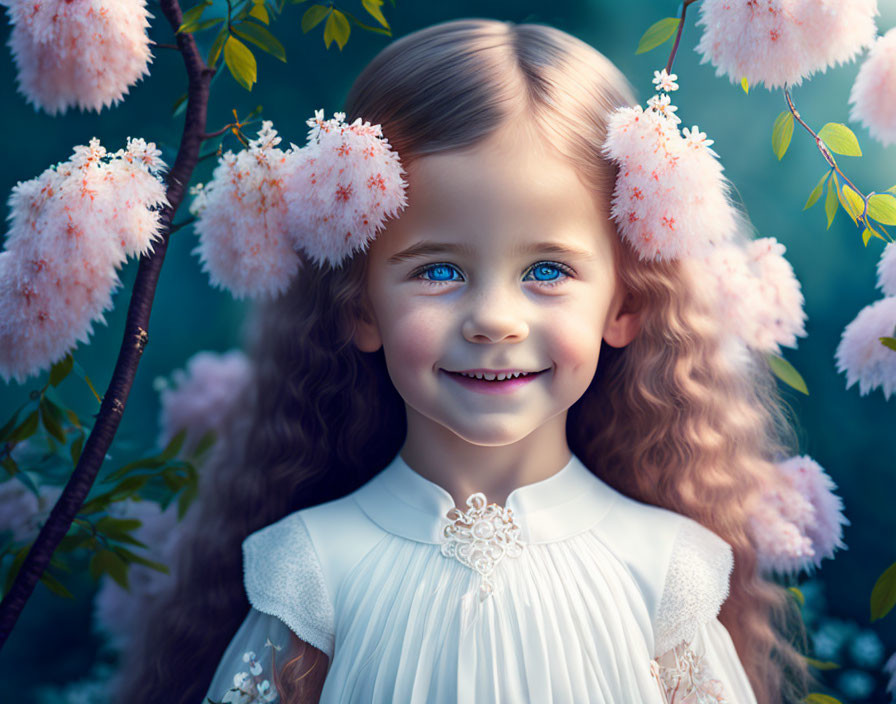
x=248 y=656
x=662 y=104
x=240 y=678
x=665 y=81
x=695 y=137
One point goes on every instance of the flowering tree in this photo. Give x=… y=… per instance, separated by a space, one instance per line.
x=74 y=225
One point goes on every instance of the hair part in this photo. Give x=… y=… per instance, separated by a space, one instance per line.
x=671 y=419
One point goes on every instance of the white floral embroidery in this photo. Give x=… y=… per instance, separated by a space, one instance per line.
x=480 y=538
x=684 y=678
x=249 y=686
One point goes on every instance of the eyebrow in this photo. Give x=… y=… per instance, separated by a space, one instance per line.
x=424 y=248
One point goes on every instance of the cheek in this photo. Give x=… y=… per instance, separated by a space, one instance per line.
x=574 y=338
x=415 y=337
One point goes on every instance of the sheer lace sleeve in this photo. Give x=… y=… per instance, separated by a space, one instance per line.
x=245 y=673
x=706 y=670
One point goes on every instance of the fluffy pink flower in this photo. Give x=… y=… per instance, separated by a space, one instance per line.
x=203 y=396
x=72 y=227
x=241 y=221
x=78 y=52
x=860 y=353
x=756 y=293
x=117 y=611
x=340 y=187
x=782 y=41
x=873 y=95
x=670 y=198
x=798 y=520
x=886 y=270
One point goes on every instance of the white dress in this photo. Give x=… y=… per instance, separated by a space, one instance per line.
x=574 y=594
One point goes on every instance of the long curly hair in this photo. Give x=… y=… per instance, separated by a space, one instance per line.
x=674 y=419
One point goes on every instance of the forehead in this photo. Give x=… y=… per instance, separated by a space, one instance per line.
x=512 y=188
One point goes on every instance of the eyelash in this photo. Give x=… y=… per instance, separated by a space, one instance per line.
x=567 y=271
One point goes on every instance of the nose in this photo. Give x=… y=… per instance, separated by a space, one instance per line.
x=495 y=315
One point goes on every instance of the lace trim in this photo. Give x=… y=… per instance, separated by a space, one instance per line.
x=696 y=585
x=283 y=578
x=684 y=678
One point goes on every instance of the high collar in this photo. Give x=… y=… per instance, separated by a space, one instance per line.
x=404 y=502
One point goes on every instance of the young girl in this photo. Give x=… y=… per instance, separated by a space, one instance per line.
x=605 y=489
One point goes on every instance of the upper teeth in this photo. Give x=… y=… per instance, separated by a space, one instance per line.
x=492 y=377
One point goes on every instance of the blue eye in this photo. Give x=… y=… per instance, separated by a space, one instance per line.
x=542 y=268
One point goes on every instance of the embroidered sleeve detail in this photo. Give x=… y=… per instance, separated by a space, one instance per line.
x=283 y=578
x=684 y=678
x=252 y=684
x=696 y=585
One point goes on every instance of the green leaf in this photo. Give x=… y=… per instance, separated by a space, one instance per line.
x=822 y=664
x=816 y=192
x=866 y=236
x=194 y=13
x=179 y=105
x=76 y=448
x=259 y=12
x=262 y=38
x=781 y=133
x=797 y=594
x=26 y=428
x=50 y=421
x=313 y=15
x=79 y=370
x=129 y=556
x=174 y=445
x=373 y=8
x=818 y=698
x=786 y=372
x=888 y=342
x=745 y=85
x=16 y=565
x=883 y=595
x=830 y=201
x=186 y=498
x=852 y=202
x=215 y=50
x=9 y=464
x=11 y=423
x=241 y=62
x=657 y=33
x=61 y=369
x=55 y=586
x=882 y=207
x=840 y=139
x=108 y=562
x=205 y=442
x=337 y=28
x=194 y=27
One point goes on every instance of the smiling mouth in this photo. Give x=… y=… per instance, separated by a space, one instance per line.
x=525 y=375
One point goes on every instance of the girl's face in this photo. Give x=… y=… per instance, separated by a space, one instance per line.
x=501 y=260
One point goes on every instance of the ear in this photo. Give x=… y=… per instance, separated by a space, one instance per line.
x=623 y=320
x=367 y=336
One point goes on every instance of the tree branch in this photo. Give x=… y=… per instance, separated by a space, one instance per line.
x=135 y=338
x=684 y=9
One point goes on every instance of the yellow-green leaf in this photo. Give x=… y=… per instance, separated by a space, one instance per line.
x=883 y=595
x=50 y=421
x=781 y=133
x=373 y=8
x=259 y=12
x=816 y=192
x=657 y=33
x=217 y=45
x=313 y=15
x=262 y=38
x=55 y=586
x=819 y=698
x=866 y=235
x=798 y=594
x=840 y=139
x=786 y=372
x=194 y=13
x=882 y=207
x=745 y=85
x=888 y=342
x=193 y=27
x=337 y=28
x=240 y=61
x=830 y=200
x=61 y=369
x=822 y=664
x=852 y=202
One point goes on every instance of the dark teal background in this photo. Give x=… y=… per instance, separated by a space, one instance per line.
x=850 y=436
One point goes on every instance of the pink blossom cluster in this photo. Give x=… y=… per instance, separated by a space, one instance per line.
x=203 y=396
x=72 y=228
x=670 y=200
x=78 y=52
x=777 y=42
x=873 y=94
x=798 y=520
x=860 y=353
x=22 y=512
x=116 y=611
x=326 y=199
x=756 y=293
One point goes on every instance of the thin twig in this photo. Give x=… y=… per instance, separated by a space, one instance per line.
x=684 y=9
